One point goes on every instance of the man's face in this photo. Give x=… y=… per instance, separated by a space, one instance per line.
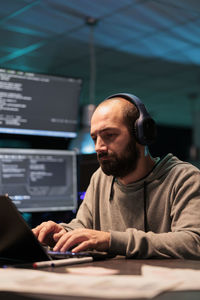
x=116 y=150
x=119 y=164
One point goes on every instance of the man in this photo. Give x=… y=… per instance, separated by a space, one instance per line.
x=135 y=205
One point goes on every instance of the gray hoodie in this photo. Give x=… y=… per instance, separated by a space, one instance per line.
x=157 y=216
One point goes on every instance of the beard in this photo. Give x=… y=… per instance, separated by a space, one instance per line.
x=120 y=165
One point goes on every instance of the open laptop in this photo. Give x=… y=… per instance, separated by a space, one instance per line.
x=18 y=245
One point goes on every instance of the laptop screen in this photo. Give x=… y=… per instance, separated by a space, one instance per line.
x=18 y=244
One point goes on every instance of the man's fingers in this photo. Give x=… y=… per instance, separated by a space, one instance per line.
x=81 y=239
x=67 y=241
x=46 y=228
x=57 y=236
x=37 y=229
x=82 y=247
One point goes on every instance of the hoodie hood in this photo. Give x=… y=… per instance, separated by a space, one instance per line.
x=162 y=167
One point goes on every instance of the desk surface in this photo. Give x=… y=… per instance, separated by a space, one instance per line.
x=125 y=267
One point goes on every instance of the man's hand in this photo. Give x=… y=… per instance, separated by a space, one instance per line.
x=46 y=232
x=82 y=239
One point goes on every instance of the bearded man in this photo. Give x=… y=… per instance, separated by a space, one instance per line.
x=136 y=205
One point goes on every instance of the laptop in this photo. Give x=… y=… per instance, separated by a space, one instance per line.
x=18 y=244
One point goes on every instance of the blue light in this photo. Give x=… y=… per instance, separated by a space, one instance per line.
x=81 y=195
x=83 y=143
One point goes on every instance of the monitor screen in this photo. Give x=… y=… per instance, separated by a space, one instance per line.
x=35 y=104
x=39 y=180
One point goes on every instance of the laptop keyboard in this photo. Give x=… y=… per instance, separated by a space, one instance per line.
x=67 y=254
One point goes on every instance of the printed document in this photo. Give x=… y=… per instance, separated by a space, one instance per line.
x=106 y=286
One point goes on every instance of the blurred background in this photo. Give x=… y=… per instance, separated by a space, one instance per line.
x=150 y=48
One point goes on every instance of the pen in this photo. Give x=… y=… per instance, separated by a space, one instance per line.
x=52 y=263
x=62 y=262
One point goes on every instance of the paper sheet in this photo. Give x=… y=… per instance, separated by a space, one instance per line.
x=106 y=286
x=189 y=279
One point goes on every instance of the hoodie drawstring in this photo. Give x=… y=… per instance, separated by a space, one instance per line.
x=111 y=189
x=145 y=209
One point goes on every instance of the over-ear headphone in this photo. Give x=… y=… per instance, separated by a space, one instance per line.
x=145 y=126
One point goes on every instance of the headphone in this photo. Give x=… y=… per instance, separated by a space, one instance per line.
x=144 y=127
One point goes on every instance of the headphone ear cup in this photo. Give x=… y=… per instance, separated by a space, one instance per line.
x=147 y=131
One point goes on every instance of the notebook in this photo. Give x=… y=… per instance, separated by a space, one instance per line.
x=17 y=242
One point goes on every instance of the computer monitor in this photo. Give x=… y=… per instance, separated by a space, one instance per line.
x=39 y=180
x=36 y=104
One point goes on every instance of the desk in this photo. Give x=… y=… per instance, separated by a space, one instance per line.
x=125 y=267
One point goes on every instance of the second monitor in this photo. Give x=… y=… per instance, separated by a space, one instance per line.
x=39 y=180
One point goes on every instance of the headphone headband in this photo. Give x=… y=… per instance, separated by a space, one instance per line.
x=145 y=127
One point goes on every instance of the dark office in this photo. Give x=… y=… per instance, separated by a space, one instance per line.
x=99 y=149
